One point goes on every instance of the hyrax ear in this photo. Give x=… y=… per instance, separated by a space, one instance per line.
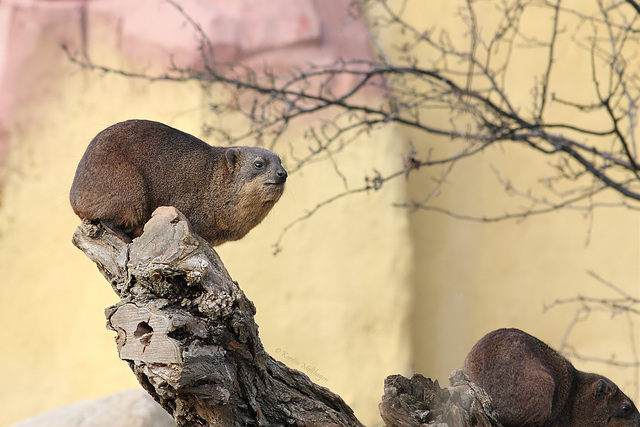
x=233 y=157
x=603 y=388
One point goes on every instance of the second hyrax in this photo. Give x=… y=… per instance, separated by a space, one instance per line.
x=530 y=384
x=133 y=167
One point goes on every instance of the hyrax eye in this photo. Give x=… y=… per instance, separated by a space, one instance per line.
x=258 y=164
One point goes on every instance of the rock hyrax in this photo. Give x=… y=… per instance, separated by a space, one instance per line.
x=531 y=384
x=133 y=167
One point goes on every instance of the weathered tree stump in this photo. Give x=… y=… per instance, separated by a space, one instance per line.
x=419 y=401
x=188 y=333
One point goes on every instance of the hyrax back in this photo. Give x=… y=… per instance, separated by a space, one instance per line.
x=133 y=167
x=530 y=384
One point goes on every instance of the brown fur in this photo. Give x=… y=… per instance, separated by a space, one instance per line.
x=133 y=167
x=531 y=384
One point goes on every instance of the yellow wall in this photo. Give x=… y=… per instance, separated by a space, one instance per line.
x=333 y=303
x=469 y=277
x=339 y=297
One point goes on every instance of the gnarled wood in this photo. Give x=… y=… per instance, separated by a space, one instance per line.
x=187 y=331
x=419 y=401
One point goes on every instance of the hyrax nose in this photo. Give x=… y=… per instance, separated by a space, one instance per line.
x=281 y=174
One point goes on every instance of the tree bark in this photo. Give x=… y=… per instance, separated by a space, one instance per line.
x=419 y=401
x=187 y=332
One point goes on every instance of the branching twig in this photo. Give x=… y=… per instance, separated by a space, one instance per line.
x=468 y=82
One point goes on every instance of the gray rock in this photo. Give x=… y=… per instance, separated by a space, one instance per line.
x=129 y=408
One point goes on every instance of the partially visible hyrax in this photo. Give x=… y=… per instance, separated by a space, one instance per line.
x=133 y=167
x=530 y=384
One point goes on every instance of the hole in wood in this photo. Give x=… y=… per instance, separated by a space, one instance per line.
x=143 y=332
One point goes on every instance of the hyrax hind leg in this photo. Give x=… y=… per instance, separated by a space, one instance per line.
x=535 y=388
x=116 y=195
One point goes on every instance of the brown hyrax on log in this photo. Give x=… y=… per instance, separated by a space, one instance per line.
x=530 y=384
x=133 y=167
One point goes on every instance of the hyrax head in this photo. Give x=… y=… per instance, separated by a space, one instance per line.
x=610 y=406
x=258 y=166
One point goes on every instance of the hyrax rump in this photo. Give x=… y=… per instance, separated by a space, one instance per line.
x=133 y=167
x=530 y=384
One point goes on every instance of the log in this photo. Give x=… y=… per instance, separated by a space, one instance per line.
x=188 y=333
x=421 y=402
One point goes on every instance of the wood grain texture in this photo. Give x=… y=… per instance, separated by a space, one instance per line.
x=419 y=402
x=187 y=331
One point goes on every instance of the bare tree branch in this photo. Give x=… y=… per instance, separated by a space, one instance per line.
x=428 y=74
x=620 y=305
